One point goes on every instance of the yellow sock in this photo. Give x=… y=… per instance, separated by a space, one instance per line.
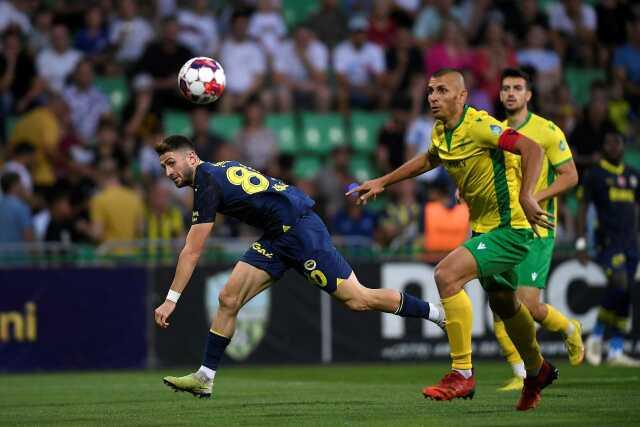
x=555 y=321
x=522 y=331
x=509 y=350
x=459 y=314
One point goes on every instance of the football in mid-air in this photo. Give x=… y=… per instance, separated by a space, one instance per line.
x=201 y=80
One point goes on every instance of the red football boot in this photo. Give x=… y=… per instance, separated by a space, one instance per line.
x=452 y=386
x=533 y=386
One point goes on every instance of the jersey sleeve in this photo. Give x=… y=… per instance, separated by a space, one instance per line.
x=557 y=148
x=206 y=199
x=487 y=131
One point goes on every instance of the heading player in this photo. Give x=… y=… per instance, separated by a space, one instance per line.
x=471 y=145
x=558 y=175
x=294 y=238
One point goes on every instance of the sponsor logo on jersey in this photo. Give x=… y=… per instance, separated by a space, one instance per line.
x=481 y=246
x=455 y=163
x=194 y=216
x=563 y=145
x=534 y=276
x=262 y=251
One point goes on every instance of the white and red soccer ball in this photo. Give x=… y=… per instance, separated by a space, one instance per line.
x=201 y=80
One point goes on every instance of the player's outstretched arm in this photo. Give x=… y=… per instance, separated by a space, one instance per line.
x=187 y=261
x=567 y=178
x=420 y=164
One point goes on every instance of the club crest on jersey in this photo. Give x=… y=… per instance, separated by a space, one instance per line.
x=310 y=264
x=563 y=145
x=495 y=129
x=252 y=320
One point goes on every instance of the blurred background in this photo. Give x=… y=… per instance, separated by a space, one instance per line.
x=320 y=93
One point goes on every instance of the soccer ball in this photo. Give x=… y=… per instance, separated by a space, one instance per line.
x=201 y=80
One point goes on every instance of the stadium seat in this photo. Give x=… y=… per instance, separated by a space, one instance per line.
x=364 y=130
x=306 y=167
x=10 y=123
x=284 y=127
x=579 y=81
x=226 y=125
x=361 y=168
x=632 y=156
x=322 y=132
x=177 y=122
x=296 y=11
x=116 y=89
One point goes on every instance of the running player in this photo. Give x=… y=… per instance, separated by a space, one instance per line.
x=294 y=237
x=557 y=176
x=614 y=190
x=471 y=145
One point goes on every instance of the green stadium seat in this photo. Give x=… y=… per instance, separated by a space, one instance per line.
x=10 y=123
x=116 y=89
x=284 y=127
x=322 y=132
x=306 y=167
x=296 y=11
x=177 y=122
x=364 y=130
x=632 y=156
x=579 y=81
x=226 y=125
x=362 y=168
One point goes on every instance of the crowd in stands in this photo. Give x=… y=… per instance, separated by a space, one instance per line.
x=86 y=89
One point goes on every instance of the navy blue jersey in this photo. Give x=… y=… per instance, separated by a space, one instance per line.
x=615 y=192
x=241 y=192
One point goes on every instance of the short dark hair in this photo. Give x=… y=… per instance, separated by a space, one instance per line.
x=23 y=148
x=174 y=143
x=8 y=181
x=517 y=73
x=447 y=70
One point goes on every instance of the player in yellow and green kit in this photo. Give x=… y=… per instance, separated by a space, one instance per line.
x=471 y=145
x=558 y=175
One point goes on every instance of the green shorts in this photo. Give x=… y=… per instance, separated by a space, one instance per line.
x=498 y=253
x=534 y=270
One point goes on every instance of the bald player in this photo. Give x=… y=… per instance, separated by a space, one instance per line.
x=470 y=144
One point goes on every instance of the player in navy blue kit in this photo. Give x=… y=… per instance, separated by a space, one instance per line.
x=614 y=190
x=294 y=237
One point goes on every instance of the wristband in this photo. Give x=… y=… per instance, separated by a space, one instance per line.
x=581 y=244
x=173 y=296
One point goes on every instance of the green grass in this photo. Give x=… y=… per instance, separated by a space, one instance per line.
x=378 y=394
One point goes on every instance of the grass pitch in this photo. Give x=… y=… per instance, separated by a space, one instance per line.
x=380 y=394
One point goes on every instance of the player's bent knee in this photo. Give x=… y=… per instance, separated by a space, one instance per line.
x=445 y=279
x=229 y=301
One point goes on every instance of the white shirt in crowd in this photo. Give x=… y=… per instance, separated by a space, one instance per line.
x=131 y=37
x=9 y=15
x=560 y=21
x=358 y=65
x=418 y=137
x=543 y=60
x=22 y=172
x=242 y=62
x=199 y=33
x=289 y=63
x=268 y=28
x=87 y=107
x=55 y=67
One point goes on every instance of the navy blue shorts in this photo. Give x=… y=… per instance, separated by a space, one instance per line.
x=306 y=247
x=619 y=258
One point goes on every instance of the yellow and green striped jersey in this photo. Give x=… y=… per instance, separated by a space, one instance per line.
x=552 y=140
x=487 y=182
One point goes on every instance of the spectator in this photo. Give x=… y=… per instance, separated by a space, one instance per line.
x=55 y=64
x=12 y=15
x=206 y=142
x=244 y=63
x=163 y=220
x=626 y=63
x=267 y=26
x=431 y=19
x=399 y=225
x=42 y=127
x=587 y=138
x=301 y=68
x=418 y=141
x=257 y=144
x=198 y=29
x=446 y=225
x=93 y=39
x=359 y=67
x=21 y=163
x=451 y=51
x=391 y=152
x=405 y=74
x=161 y=60
x=332 y=180
x=611 y=14
x=355 y=221
x=108 y=146
x=329 y=23
x=88 y=105
x=523 y=15
x=130 y=33
x=19 y=84
x=16 y=225
x=573 y=24
x=381 y=26
x=544 y=61
x=63 y=227
x=116 y=212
